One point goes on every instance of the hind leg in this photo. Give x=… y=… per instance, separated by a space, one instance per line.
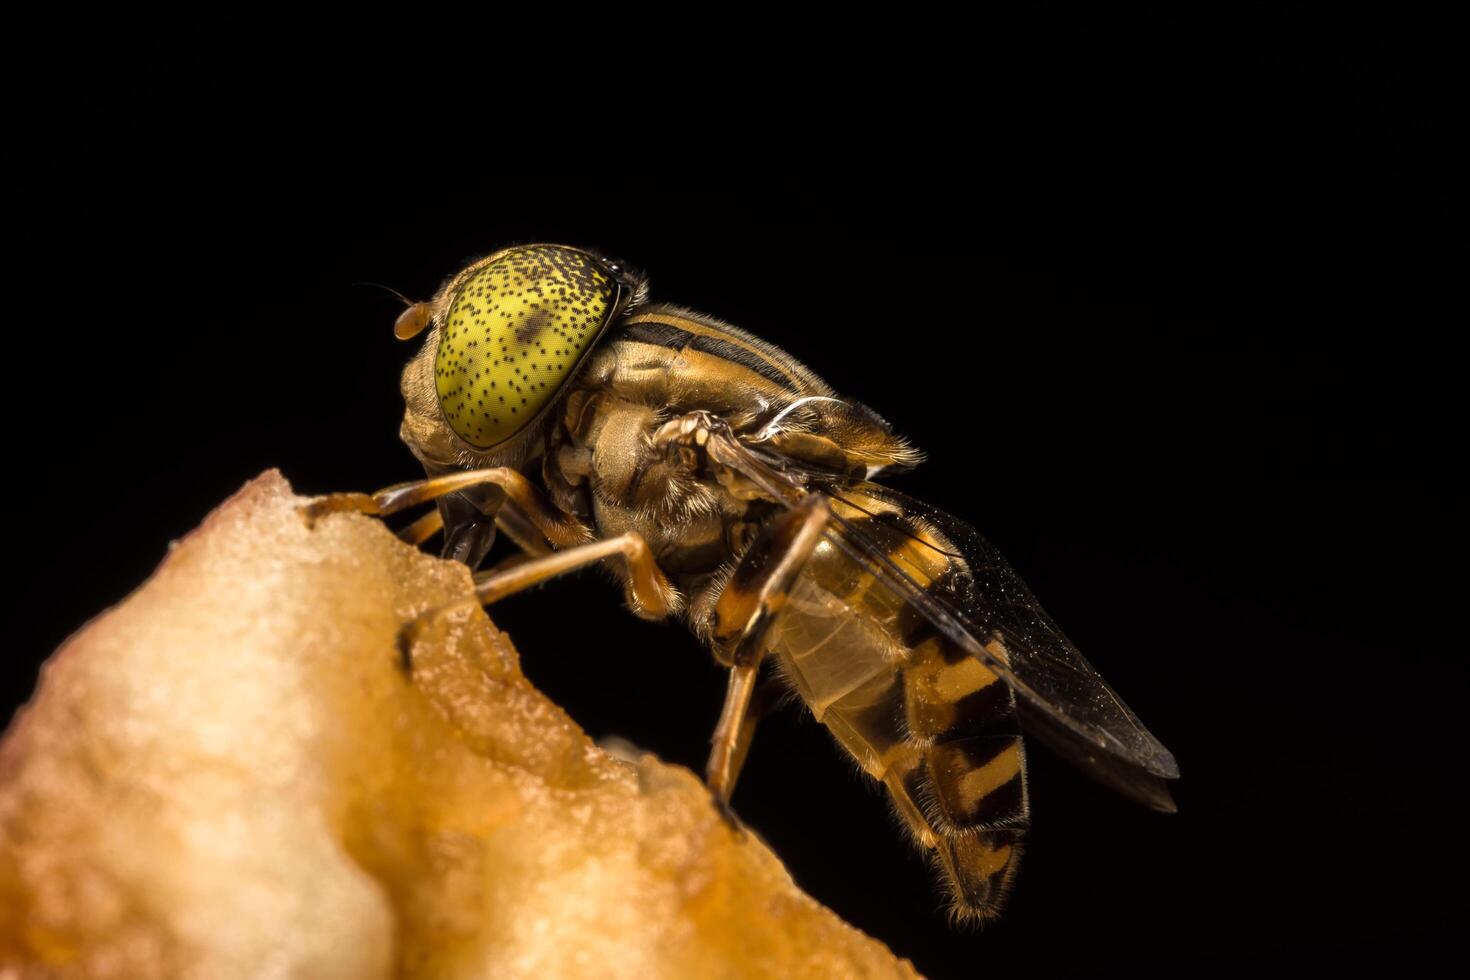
x=742 y=617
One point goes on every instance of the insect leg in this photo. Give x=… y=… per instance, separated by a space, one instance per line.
x=768 y=694
x=649 y=590
x=521 y=531
x=508 y=519
x=742 y=617
x=720 y=771
x=423 y=529
x=560 y=528
x=649 y=593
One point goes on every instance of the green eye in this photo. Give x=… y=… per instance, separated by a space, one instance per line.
x=513 y=335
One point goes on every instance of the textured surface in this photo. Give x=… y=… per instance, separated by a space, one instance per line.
x=229 y=776
x=512 y=336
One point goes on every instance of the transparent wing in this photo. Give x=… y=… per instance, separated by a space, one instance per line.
x=984 y=608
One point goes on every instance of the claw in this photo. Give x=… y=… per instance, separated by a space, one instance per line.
x=412 y=631
x=728 y=815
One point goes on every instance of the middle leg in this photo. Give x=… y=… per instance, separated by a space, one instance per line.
x=650 y=593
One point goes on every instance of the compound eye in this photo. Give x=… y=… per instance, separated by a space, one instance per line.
x=514 y=334
x=412 y=321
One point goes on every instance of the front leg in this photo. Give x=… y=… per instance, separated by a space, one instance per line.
x=560 y=528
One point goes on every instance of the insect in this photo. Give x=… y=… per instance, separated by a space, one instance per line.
x=553 y=403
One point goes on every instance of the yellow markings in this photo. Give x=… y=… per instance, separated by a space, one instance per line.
x=958 y=680
x=719 y=374
x=929 y=713
x=919 y=553
x=991 y=861
x=923 y=564
x=722 y=379
x=979 y=783
x=936 y=687
x=704 y=330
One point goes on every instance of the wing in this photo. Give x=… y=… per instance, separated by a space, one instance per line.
x=982 y=606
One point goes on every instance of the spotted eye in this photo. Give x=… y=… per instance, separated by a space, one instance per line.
x=513 y=335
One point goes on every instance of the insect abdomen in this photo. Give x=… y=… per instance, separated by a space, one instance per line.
x=966 y=778
x=933 y=724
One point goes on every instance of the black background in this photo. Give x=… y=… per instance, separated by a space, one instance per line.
x=1168 y=297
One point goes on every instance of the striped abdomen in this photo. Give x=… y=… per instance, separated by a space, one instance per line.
x=933 y=724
